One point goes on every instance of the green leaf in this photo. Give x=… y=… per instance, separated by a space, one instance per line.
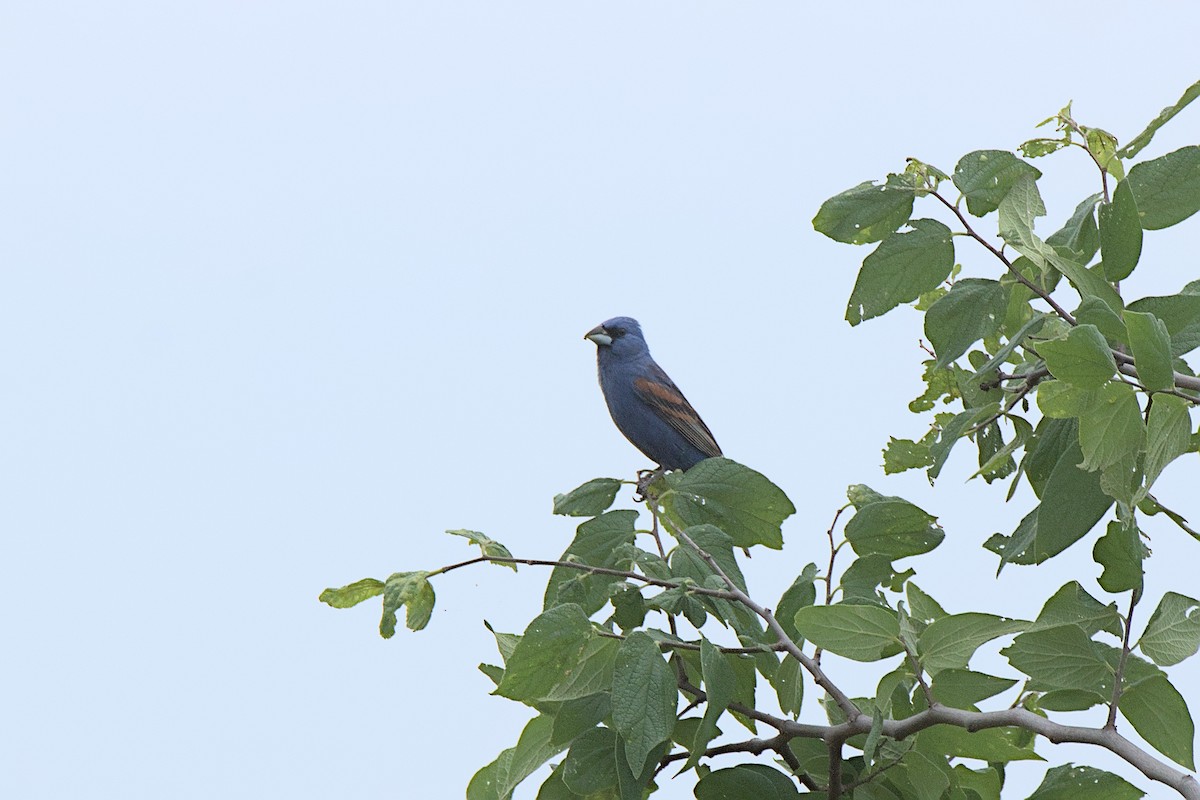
x=923 y=777
x=962 y=688
x=904 y=266
x=632 y=785
x=1180 y=313
x=1120 y=233
x=802 y=592
x=1051 y=439
x=1095 y=312
x=497 y=780
x=1070 y=782
x=1072 y=504
x=940 y=384
x=1137 y=669
x=858 y=632
x=588 y=500
x=860 y=495
x=869 y=212
x=596 y=544
x=591 y=673
x=1037 y=148
x=1151 y=345
x=894 y=528
x=1059 y=658
x=951 y=641
x=983 y=784
x=986 y=176
x=1072 y=605
x=745 y=781
x=973 y=309
x=995 y=454
x=1079 y=235
x=901 y=455
x=1160 y=715
x=788 y=682
x=746 y=678
x=410 y=589
x=488 y=546
x=862 y=578
x=993 y=744
x=1062 y=400
x=1103 y=147
x=553 y=787
x=1082 y=358
x=687 y=563
x=496 y=674
x=954 y=430
x=922 y=607
x=1167 y=189
x=1173 y=633
x=1121 y=552
x=575 y=717
x=550 y=649
x=629 y=607
x=1020 y=207
x=506 y=643
x=720 y=682
x=1070 y=700
x=735 y=498
x=1113 y=430
x=1168 y=437
x=1142 y=139
x=352 y=594
x=644 y=697
x=590 y=765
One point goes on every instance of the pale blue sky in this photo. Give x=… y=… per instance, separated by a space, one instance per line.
x=290 y=288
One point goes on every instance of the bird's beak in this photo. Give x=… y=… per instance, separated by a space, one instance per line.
x=599 y=336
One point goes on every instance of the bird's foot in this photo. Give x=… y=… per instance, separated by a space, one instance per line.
x=645 y=478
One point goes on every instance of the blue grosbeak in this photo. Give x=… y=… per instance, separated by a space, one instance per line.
x=644 y=403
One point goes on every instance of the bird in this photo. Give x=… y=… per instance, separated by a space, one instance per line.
x=644 y=402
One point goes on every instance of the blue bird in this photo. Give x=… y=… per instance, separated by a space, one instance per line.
x=645 y=404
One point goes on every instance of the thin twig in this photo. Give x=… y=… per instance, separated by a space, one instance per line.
x=873 y=774
x=1033 y=287
x=777 y=744
x=1111 y=723
x=663 y=555
x=833 y=551
x=917 y=671
x=617 y=573
x=681 y=645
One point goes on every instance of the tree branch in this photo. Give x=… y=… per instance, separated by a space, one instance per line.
x=1033 y=287
x=1125 y=365
x=835 y=770
x=819 y=677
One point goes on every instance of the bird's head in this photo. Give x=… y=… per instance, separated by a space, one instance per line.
x=621 y=335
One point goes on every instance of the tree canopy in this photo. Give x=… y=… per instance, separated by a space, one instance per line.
x=650 y=640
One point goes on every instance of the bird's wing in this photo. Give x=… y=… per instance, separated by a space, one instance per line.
x=664 y=397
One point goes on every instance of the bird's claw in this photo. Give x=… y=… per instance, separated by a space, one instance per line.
x=645 y=478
